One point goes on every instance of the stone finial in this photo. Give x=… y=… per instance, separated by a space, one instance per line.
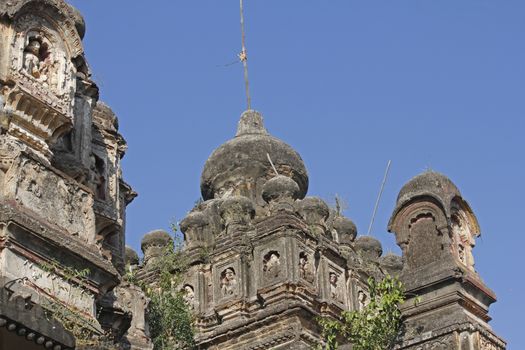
x=391 y=263
x=280 y=187
x=237 y=210
x=251 y=122
x=346 y=229
x=194 y=228
x=131 y=256
x=153 y=245
x=368 y=248
x=315 y=212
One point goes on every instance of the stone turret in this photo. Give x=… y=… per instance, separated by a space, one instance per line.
x=436 y=230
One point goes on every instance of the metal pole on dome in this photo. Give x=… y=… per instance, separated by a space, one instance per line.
x=244 y=58
x=379 y=198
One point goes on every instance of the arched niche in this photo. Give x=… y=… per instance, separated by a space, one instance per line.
x=421 y=229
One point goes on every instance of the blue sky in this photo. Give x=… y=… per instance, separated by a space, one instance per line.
x=349 y=84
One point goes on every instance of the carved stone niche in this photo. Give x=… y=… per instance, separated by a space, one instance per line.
x=360 y=296
x=306 y=266
x=57 y=199
x=421 y=232
x=40 y=66
x=464 y=230
x=10 y=150
x=333 y=282
x=227 y=281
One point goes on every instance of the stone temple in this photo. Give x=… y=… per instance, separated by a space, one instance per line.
x=265 y=259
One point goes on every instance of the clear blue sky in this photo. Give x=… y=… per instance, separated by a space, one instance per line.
x=349 y=84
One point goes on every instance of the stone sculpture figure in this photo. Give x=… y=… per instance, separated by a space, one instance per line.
x=31 y=58
x=362 y=299
x=305 y=268
x=272 y=265
x=228 y=282
x=189 y=296
x=335 y=292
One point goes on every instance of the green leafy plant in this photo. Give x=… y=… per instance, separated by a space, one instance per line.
x=169 y=315
x=375 y=327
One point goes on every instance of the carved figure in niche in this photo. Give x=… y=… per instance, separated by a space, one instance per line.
x=464 y=241
x=32 y=58
x=36 y=59
x=228 y=282
x=97 y=181
x=189 y=296
x=362 y=299
x=335 y=291
x=272 y=265
x=306 y=270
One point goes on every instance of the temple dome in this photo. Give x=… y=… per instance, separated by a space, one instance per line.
x=431 y=184
x=241 y=166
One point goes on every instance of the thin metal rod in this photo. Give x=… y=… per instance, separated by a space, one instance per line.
x=244 y=58
x=379 y=197
x=271 y=163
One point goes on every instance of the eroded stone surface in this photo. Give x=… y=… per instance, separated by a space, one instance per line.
x=62 y=196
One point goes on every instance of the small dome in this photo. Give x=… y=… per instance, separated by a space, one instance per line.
x=391 y=262
x=237 y=205
x=369 y=246
x=241 y=165
x=159 y=238
x=195 y=219
x=346 y=229
x=131 y=256
x=429 y=183
x=280 y=187
x=313 y=206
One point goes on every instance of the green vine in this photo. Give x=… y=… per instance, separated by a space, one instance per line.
x=86 y=332
x=375 y=327
x=169 y=316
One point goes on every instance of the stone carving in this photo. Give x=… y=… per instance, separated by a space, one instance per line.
x=97 y=180
x=443 y=343
x=32 y=64
x=132 y=299
x=228 y=282
x=271 y=265
x=463 y=239
x=189 y=296
x=335 y=289
x=486 y=344
x=306 y=269
x=362 y=299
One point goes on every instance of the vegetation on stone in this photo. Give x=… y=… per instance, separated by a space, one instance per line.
x=168 y=314
x=376 y=326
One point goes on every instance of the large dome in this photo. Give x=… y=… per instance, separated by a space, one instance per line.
x=241 y=165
